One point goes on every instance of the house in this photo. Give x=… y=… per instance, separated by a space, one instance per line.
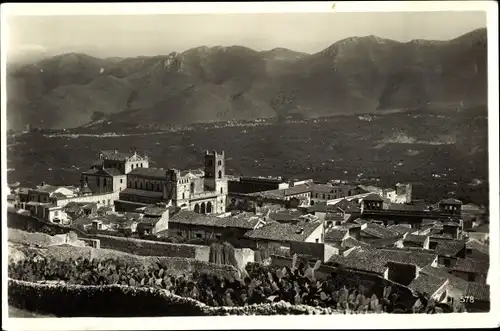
x=439 y=285
x=155 y=219
x=471 y=270
x=286 y=215
x=191 y=225
x=477 y=250
x=371 y=232
x=481 y=298
x=256 y=184
x=292 y=197
x=398 y=265
x=448 y=249
x=412 y=240
x=275 y=233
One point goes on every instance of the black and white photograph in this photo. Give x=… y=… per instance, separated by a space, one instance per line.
x=176 y=161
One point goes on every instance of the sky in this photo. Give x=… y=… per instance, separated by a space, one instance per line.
x=124 y=35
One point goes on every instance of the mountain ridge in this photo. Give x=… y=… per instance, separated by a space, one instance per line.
x=220 y=83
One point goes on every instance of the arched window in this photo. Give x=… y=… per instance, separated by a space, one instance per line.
x=220 y=174
x=221 y=190
x=140 y=185
x=219 y=163
x=132 y=166
x=183 y=196
x=192 y=188
x=104 y=183
x=157 y=187
x=209 y=207
x=197 y=208
x=135 y=184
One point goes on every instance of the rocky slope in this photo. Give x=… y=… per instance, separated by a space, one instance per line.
x=359 y=74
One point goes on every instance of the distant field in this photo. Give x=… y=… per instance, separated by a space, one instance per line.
x=439 y=152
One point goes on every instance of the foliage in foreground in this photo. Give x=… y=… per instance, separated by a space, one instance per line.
x=296 y=285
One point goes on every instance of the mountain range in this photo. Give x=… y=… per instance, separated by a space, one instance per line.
x=208 y=84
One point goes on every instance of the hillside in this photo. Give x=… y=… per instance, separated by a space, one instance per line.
x=358 y=74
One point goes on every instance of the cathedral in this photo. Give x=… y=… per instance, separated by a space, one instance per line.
x=204 y=191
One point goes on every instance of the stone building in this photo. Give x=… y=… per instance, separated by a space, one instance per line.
x=203 y=192
x=109 y=173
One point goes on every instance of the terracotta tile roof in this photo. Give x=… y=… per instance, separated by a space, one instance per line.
x=385 y=242
x=470 y=265
x=449 y=247
x=378 y=231
x=335 y=235
x=405 y=207
x=285 y=215
x=347 y=206
x=427 y=283
x=415 y=239
x=480 y=292
x=375 y=260
x=451 y=201
x=154 y=210
x=373 y=197
x=443 y=273
x=133 y=191
x=350 y=242
x=243 y=221
x=116 y=155
x=400 y=229
x=157 y=173
x=284 y=231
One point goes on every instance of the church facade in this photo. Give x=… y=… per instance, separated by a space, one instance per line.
x=201 y=191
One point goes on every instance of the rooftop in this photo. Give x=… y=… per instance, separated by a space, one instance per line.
x=145 y=193
x=153 y=210
x=282 y=193
x=449 y=247
x=243 y=221
x=375 y=260
x=450 y=201
x=471 y=266
x=373 y=197
x=415 y=239
x=350 y=242
x=276 y=231
x=335 y=235
x=116 y=155
x=427 y=283
x=149 y=172
x=104 y=172
x=400 y=229
x=378 y=231
x=285 y=215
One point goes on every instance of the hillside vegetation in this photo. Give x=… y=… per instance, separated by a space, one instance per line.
x=359 y=74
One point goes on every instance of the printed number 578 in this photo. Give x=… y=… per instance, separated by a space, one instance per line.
x=467 y=299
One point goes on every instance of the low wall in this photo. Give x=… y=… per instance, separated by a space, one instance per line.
x=124 y=244
x=124 y=301
x=154 y=248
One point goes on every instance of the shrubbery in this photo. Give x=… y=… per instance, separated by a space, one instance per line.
x=295 y=285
